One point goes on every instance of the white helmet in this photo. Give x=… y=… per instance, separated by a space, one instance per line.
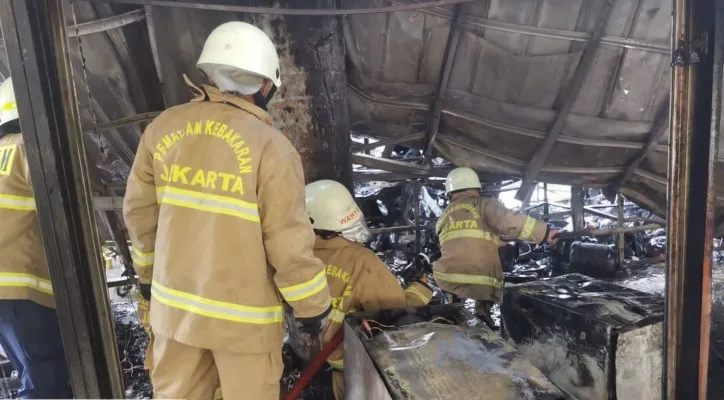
x=238 y=57
x=8 y=107
x=460 y=179
x=332 y=208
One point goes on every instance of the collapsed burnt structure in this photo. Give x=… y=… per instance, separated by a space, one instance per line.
x=573 y=92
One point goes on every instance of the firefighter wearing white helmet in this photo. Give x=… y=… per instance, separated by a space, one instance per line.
x=470 y=231
x=29 y=332
x=358 y=280
x=215 y=210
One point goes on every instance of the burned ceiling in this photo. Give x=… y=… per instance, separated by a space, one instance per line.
x=564 y=91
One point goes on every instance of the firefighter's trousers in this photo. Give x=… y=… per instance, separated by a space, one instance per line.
x=184 y=372
x=30 y=336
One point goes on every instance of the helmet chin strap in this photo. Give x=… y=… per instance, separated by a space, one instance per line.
x=262 y=101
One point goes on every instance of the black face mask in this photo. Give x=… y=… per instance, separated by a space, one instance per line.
x=263 y=101
x=10 y=127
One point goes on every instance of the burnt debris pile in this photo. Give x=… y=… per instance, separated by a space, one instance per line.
x=132 y=340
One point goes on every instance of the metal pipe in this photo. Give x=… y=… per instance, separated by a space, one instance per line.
x=38 y=53
x=106 y=24
x=209 y=5
x=396 y=229
x=607 y=232
x=621 y=239
x=416 y=203
x=691 y=200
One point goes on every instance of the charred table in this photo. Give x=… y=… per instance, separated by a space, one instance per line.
x=593 y=339
x=435 y=352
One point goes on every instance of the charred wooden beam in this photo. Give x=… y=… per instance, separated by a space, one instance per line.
x=106 y=24
x=319 y=11
x=37 y=48
x=151 y=30
x=659 y=127
x=117 y=123
x=136 y=61
x=695 y=117
x=451 y=49
x=404 y=139
x=574 y=88
x=389 y=165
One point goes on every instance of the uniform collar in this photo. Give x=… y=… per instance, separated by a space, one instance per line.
x=466 y=196
x=334 y=243
x=212 y=94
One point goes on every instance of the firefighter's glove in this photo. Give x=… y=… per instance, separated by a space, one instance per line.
x=308 y=335
x=313 y=326
x=146 y=291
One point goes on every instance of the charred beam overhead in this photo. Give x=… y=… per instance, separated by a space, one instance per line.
x=512 y=129
x=404 y=139
x=220 y=6
x=390 y=165
x=575 y=86
x=614 y=41
x=106 y=24
x=446 y=70
x=37 y=48
x=696 y=108
x=117 y=123
x=660 y=126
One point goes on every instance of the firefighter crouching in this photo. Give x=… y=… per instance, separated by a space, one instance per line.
x=29 y=330
x=469 y=231
x=358 y=279
x=215 y=210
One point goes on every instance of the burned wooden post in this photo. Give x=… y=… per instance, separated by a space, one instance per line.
x=693 y=138
x=311 y=107
x=577 y=208
x=37 y=49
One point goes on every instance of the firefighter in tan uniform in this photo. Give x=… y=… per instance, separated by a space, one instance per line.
x=29 y=330
x=215 y=210
x=358 y=279
x=469 y=230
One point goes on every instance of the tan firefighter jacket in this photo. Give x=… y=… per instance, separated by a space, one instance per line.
x=358 y=280
x=23 y=267
x=469 y=232
x=216 y=213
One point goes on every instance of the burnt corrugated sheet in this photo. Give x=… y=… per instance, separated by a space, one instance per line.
x=511 y=72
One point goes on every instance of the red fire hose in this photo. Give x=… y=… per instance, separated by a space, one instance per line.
x=314 y=366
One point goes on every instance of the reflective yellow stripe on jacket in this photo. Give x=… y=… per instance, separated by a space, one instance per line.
x=425 y=299
x=216 y=309
x=12 y=279
x=208 y=202
x=306 y=289
x=527 y=228
x=17 y=203
x=142 y=259
x=469 y=233
x=469 y=279
x=336 y=316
